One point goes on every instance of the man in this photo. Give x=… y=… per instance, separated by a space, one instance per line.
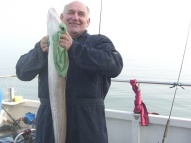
x=93 y=61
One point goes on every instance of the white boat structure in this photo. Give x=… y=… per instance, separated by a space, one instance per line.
x=123 y=126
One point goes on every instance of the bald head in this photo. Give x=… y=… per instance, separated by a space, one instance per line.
x=76 y=3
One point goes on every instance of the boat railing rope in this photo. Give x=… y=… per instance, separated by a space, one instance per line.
x=174 y=84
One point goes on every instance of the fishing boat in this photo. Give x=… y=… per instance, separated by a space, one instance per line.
x=17 y=120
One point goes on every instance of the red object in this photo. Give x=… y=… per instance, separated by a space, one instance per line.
x=140 y=107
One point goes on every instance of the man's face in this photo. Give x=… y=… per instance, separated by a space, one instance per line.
x=76 y=18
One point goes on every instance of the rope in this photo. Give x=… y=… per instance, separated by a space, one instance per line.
x=100 y=17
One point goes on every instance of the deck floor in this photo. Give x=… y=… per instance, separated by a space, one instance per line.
x=5 y=131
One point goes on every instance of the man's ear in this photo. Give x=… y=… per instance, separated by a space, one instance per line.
x=61 y=16
x=88 y=22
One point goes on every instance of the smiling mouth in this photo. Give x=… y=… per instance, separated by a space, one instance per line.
x=74 y=23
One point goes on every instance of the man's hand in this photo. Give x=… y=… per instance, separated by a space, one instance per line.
x=65 y=41
x=44 y=44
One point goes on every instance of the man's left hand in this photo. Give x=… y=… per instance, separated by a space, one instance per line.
x=65 y=41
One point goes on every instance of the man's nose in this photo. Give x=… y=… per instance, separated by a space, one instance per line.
x=75 y=16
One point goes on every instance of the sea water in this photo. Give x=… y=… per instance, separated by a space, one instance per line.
x=157 y=98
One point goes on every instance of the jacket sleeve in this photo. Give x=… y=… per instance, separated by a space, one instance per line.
x=98 y=56
x=30 y=65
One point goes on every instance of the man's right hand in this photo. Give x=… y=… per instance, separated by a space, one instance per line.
x=44 y=44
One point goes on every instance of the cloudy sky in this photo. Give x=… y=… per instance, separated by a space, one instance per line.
x=150 y=30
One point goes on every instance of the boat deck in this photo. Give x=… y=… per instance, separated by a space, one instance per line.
x=5 y=131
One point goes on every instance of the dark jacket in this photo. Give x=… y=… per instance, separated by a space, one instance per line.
x=93 y=61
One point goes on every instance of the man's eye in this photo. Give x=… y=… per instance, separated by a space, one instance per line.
x=81 y=14
x=71 y=12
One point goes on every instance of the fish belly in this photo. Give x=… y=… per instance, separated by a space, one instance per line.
x=57 y=84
